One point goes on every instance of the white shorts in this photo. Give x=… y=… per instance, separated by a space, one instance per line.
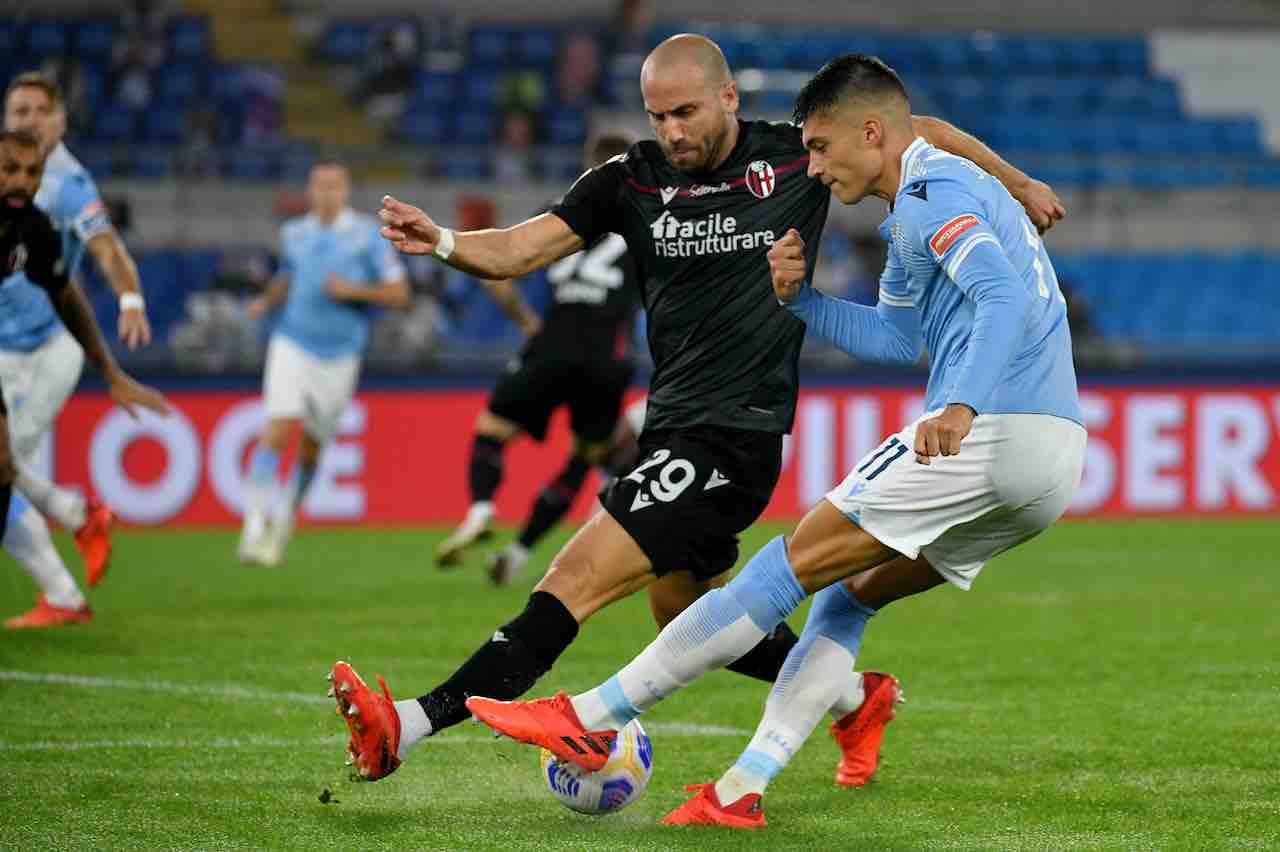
x=36 y=386
x=1012 y=479
x=299 y=385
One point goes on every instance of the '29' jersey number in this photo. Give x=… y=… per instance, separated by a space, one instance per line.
x=587 y=277
x=666 y=479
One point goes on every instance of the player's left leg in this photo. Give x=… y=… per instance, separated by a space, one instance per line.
x=262 y=486
x=285 y=512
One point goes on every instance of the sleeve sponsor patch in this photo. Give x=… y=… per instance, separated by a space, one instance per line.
x=946 y=236
x=93 y=219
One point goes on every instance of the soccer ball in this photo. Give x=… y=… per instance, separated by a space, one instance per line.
x=611 y=788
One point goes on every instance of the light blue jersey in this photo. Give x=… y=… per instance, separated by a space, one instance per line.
x=967 y=276
x=311 y=252
x=70 y=198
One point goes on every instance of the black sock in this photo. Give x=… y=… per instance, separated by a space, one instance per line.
x=764 y=661
x=508 y=665
x=486 y=467
x=554 y=501
x=6 y=491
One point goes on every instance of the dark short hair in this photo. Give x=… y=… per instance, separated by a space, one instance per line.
x=21 y=138
x=852 y=75
x=35 y=80
x=607 y=146
x=329 y=162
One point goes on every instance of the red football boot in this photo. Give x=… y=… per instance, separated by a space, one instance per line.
x=93 y=540
x=705 y=809
x=372 y=720
x=859 y=733
x=45 y=615
x=550 y=723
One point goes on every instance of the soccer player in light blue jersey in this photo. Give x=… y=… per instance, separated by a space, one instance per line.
x=991 y=464
x=335 y=269
x=40 y=361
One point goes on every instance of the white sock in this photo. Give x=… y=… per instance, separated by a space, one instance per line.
x=62 y=504
x=850 y=699
x=812 y=678
x=414 y=725
x=480 y=514
x=27 y=540
x=711 y=633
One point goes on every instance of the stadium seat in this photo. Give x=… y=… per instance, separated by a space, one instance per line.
x=480 y=87
x=10 y=39
x=489 y=47
x=436 y=87
x=536 y=47
x=47 y=37
x=343 y=42
x=474 y=126
x=178 y=83
x=425 y=125
x=189 y=38
x=464 y=165
x=251 y=165
x=163 y=123
x=566 y=127
x=150 y=163
x=100 y=162
x=113 y=123
x=1264 y=175
x=95 y=38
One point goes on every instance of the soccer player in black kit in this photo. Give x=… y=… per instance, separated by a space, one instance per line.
x=579 y=356
x=28 y=242
x=699 y=207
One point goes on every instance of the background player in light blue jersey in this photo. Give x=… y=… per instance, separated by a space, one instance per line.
x=334 y=269
x=40 y=362
x=992 y=463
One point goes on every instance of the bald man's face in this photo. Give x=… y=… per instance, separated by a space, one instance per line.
x=691 y=117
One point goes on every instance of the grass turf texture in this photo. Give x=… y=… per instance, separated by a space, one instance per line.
x=1109 y=685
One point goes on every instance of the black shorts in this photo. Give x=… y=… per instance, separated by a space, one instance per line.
x=692 y=492
x=535 y=387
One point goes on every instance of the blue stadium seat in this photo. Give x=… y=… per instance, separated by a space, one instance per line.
x=465 y=165
x=566 y=127
x=225 y=82
x=537 y=46
x=1264 y=175
x=343 y=42
x=436 y=87
x=94 y=38
x=1082 y=56
x=10 y=39
x=163 y=123
x=100 y=162
x=1237 y=135
x=480 y=87
x=151 y=163
x=489 y=47
x=48 y=37
x=113 y=123
x=474 y=126
x=189 y=38
x=426 y=126
x=250 y=164
x=178 y=83
x=1126 y=55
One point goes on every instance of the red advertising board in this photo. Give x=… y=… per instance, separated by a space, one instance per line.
x=401 y=456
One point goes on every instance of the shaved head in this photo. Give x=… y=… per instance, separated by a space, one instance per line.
x=684 y=52
x=692 y=102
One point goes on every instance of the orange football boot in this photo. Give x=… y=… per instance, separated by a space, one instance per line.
x=372 y=720
x=45 y=615
x=93 y=540
x=550 y=723
x=859 y=733
x=705 y=809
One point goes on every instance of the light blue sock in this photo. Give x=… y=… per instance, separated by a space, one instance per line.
x=715 y=630
x=260 y=490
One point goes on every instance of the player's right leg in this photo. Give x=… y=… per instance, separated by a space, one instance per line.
x=484 y=474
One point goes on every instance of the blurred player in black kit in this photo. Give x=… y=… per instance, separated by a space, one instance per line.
x=29 y=243
x=578 y=356
x=699 y=206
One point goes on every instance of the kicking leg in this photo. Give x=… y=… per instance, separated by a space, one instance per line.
x=492 y=434
x=599 y=565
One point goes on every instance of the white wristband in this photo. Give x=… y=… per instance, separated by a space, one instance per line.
x=132 y=301
x=444 y=245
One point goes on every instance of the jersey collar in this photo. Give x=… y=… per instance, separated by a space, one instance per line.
x=912 y=161
x=345 y=219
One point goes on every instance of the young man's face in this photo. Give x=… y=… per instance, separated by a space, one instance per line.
x=21 y=167
x=845 y=151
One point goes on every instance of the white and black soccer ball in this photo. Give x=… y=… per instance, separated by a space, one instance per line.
x=617 y=784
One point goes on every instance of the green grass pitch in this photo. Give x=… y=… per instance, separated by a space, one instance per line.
x=1107 y=686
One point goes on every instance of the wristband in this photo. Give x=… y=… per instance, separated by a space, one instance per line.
x=132 y=301
x=444 y=245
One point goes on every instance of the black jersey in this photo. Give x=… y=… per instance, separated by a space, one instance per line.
x=594 y=298
x=725 y=352
x=29 y=243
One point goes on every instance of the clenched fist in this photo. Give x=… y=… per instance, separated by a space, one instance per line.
x=786 y=263
x=942 y=434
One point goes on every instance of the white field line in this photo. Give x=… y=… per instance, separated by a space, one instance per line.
x=671 y=729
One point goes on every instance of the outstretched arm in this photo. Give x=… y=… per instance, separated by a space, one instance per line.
x=1041 y=202
x=122 y=274
x=74 y=311
x=494 y=253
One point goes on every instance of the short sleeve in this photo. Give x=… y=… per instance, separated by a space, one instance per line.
x=82 y=209
x=591 y=206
